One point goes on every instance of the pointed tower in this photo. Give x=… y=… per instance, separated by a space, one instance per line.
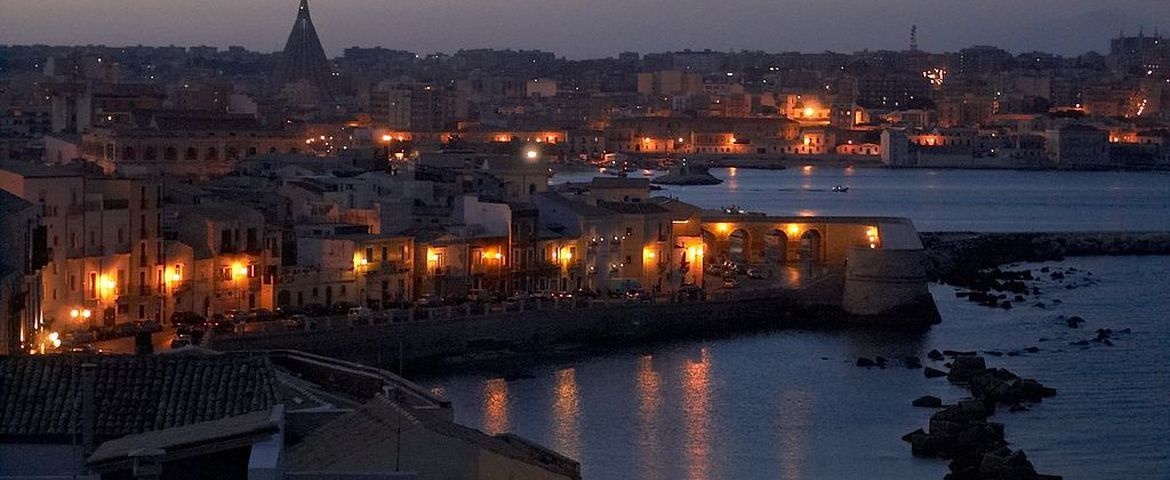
x=303 y=58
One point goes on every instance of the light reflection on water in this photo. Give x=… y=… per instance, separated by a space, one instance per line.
x=696 y=409
x=649 y=404
x=495 y=406
x=795 y=415
x=567 y=414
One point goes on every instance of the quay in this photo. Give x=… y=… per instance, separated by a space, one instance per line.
x=822 y=272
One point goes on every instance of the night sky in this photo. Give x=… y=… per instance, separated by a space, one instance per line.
x=589 y=28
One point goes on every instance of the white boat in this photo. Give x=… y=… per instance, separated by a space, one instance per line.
x=840 y=188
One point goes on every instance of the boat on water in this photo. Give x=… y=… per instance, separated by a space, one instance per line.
x=840 y=188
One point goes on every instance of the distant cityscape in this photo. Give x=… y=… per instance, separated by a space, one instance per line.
x=174 y=194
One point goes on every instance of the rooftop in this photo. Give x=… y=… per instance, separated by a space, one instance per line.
x=133 y=394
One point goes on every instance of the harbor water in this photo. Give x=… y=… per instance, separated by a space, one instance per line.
x=792 y=404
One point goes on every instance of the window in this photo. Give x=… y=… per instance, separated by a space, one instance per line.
x=370 y=254
x=92 y=285
x=225 y=272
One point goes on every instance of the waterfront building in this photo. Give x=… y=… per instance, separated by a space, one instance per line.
x=1077 y=146
x=233 y=264
x=104 y=235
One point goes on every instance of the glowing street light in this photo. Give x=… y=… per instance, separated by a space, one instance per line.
x=531 y=154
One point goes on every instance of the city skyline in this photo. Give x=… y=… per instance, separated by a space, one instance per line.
x=600 y=29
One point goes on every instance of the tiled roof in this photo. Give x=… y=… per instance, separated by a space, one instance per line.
x=133 y=394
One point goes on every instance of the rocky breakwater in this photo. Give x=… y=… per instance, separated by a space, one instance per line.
x=962 y=434
x=958 y=258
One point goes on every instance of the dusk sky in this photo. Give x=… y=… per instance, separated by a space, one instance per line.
x=592 y=28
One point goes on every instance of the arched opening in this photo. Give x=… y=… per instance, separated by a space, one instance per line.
x=149 y=153
x=776 y=247
x=192 y=154
x=232 y=153
x=170 y=154
x=738 y=246
x=328 y=295
x=811 y=246
x=212 y=154
x=284 y=298
x=128 y=153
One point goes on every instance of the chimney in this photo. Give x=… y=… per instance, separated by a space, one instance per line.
x=88 y=407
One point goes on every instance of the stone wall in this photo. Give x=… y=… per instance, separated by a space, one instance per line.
x=879 y=281
x=425 y=341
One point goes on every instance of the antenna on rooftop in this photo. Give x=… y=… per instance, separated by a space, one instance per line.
x=914 y=38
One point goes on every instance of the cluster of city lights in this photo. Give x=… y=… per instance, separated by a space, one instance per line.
x=935 y=76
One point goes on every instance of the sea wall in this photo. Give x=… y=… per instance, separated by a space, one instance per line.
x=957 y=257
x=880 y=282
x=424 y=342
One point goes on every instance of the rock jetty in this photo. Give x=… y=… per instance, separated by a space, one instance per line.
x=961 y=433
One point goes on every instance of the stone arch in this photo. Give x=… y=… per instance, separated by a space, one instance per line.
x=149 y=153
x=739 y=246
x=776 y=247
x=212 y=154
x=812 y=245
x=170 y=153
x=192 y=154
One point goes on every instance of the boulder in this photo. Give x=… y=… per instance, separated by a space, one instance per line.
x=933 y=372
x=963 y=368
x=927 y=401
x=935 y=355
x=911 y=362
x=865 y=362
x=1005 y=464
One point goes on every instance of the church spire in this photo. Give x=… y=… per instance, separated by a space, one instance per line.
x=303 y=57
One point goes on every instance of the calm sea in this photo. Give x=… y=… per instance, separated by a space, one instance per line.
x=791 y=404
x=973 y=200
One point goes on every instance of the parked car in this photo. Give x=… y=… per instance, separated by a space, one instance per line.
x=341 y=308
x=754 y=273
x=295 y=322
x=316 y=310
x=85 y=348
x=259 y=315
x=360 y=313
x=585 y=293
x=181 y=341
x=148 y=326
x=286 y=311
x=186 y=318
x=730 y=282
x=427 y=301
x=690 y=291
